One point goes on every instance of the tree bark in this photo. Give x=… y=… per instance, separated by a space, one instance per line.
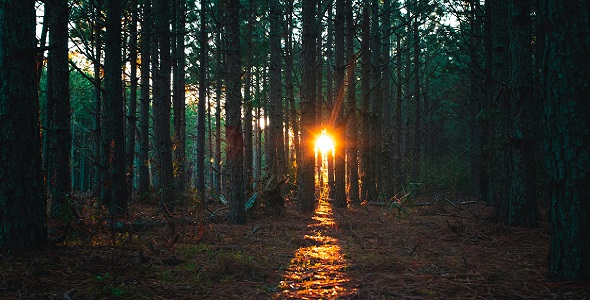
x=387 y=186
x=59 y=180
x=144 y=127
x=339 y=125
x=248 y=143
x=202 y=101
x=276 y=149
x=351 y=138
x=22 y=193
x=566 y=77
x=365 y=100
x=522 y=208
x=233 y=110
x=307 y=201
x=114 y=137
x=179 y=97
x=163 y=143
x=132 y=106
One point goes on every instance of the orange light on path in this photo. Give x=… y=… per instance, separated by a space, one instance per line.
x=324 y=142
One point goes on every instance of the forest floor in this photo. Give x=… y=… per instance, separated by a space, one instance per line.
x=439 y=248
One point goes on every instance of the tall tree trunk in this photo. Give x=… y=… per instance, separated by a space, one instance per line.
x=276 y=149
x=365 y=100
x=218 y=88
x=319 y=118
x=23 y=202
x=248 y=146
x=417 y=141
x=388 y=184
x=179 y=97
x=233 y=111
x=202 y=101
x=59 y=181
x=114 y=138
x=374 y=112
x=144 y=127
x=98 y=167
x=398 y=160
x=522 y=209
x=289 y=84
x=566 y=75
x=132 y=106
x=351 y=138
x=306 y=201
x=339 y=125
x=498 y=13
x=330 y=92
x=162 y=105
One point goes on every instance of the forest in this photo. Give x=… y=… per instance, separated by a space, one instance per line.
x=273 y=149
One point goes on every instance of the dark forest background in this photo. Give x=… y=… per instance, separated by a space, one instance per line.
x=181 y=102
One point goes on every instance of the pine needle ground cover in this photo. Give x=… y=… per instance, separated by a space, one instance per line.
x=447 y=249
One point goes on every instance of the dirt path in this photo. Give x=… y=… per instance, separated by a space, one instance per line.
x=318 y=271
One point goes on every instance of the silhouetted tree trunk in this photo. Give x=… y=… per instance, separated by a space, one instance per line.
x=23 y=202
x=289 y=85
x=58 y=101
x=276 y=147
x=132 y=106
x=417 y=141
x=179 y=97
x=114 y=135
x=566 y=75
x=500 y=99
x=388 y=184
x=248 y=144
x=374 y=112
x=144 y=127
x=365 y=158
x=218 y=87
x=306 y=201
x=319 y=105
x=233 y=111
x=329 y=91
x=163 y=144
x=202 y=100
x=522 y=208
x=339 y=126
x=398 y=160
x=351 y=138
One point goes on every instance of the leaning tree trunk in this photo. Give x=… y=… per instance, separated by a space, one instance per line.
x=22 y=194
x=566 y=75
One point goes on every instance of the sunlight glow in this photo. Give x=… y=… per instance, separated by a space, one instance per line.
x=324 y=143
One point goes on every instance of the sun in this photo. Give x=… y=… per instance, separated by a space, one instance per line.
x=324 y=142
